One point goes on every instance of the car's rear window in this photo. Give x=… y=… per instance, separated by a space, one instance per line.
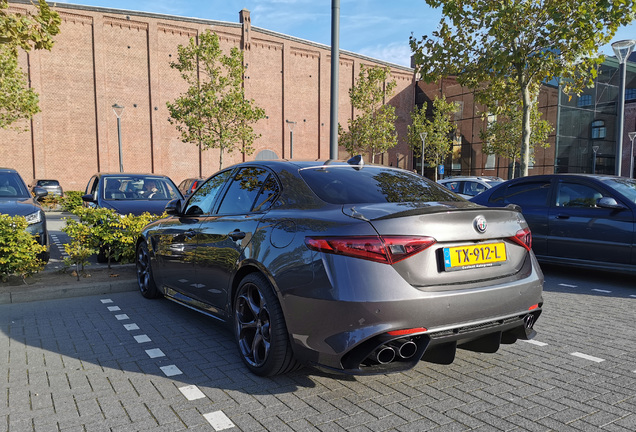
x=48 y=183
x=347 y=185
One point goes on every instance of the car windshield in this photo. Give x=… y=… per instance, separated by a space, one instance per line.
x=493 y=183
x=346 y=185
x=138 y=187
x=625 y=186
x=12 y=186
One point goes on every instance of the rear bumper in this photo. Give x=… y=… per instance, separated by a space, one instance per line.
x=352 y=336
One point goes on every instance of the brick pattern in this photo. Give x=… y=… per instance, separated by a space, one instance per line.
x=102 y=57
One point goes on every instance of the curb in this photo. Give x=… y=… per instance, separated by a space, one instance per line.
x=66 y=291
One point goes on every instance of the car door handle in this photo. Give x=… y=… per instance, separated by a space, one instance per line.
x=562 y=216
x=236 y=235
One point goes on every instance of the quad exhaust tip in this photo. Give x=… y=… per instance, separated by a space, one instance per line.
x=402 y=348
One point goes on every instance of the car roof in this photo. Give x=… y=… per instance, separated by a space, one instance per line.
x=485 y=178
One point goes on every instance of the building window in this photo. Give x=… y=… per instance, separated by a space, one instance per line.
x=630 y=94
x=584 y=101
x=598 y=129
x=490 y=162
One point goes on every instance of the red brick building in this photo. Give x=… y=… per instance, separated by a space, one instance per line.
x=104 y=57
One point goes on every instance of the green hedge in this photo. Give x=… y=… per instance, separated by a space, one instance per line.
x=19 y=250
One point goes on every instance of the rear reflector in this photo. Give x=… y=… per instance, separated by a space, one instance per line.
x=533 y=307
x=407 y=331
x=387 y=250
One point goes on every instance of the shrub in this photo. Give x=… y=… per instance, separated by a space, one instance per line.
x=71 y=201
x=19 y=250
x=79 y=249
x=50 y=201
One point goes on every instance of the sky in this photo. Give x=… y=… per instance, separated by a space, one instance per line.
x=375 y=28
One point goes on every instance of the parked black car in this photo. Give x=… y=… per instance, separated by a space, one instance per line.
x=130 y=193
x=576 y=219
x=189 y=185
x=352 y=268
x=17 y=200
x=53 y=187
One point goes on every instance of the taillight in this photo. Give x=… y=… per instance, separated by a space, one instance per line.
x=386 y=249
x=524 y=238
x=407 y=331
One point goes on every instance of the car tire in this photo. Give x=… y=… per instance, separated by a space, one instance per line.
x=259 y=328
x=145 y=279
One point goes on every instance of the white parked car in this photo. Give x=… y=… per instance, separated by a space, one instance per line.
x=470 y=186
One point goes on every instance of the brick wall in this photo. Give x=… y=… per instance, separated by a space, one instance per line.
x=103 y=57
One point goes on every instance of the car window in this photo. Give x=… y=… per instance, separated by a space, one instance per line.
x=126 y=187
x=91 y=187
x=47 y=183
x=453 y=185
x=529 y=193
x=267 y=194
x=473 y=188
x=242 y=192
x=348 y=185
x=576 y=195
x=202 y=200
x=11 y=185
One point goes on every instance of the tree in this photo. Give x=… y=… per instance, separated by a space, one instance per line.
x=503 y=135
x=504 y=50
x=373 y=129
x=214 y=112
x=438 y=143
x=18 y=32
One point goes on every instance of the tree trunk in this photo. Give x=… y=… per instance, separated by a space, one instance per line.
x=525 y=137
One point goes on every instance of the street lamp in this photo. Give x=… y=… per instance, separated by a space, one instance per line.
x=622 y=49
x=291 y=125
x=631 y=135
x=594 y=149
x=423 y=137
x=119 y=110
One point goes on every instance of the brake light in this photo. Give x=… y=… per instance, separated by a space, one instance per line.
x=387 y=249
x=524 y=238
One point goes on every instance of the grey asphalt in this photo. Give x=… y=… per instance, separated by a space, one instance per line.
x=119 y=362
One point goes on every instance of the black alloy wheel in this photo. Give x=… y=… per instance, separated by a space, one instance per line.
x=260 y=330
x=145 y=280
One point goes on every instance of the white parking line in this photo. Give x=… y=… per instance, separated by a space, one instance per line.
x=155 y=353
x=104 y=301
x=588 y=357
x=568 y=285
x=534 y=342
x=192 y=392
x=113 y=308
x=633 y=296
x=121 y=317
x=142 y=338
x=130 y=327
x=218 y=420
x=170 y=370
x=601 y=291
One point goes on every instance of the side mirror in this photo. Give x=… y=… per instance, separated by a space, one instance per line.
x=609 y=202
x=89 y=198
x=40 y=192
x=174 y=207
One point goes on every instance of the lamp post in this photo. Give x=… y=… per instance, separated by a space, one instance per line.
x=423 y=137
x=594 y=149
x=631 y=135
x=119 y=110
x=291 y=125
x=622 y=49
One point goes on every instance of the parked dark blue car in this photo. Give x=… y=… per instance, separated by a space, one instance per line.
x=582 y=220
x=17 y=200
x=130 y=193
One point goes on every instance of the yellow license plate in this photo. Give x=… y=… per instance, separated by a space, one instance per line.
x=475 y=256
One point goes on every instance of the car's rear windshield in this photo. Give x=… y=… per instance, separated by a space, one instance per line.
x=347 y=185
x=48 y=183
x=12 y=186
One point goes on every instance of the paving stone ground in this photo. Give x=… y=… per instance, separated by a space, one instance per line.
x=118 y=362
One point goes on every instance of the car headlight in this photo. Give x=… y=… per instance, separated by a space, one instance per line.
x=34 y=218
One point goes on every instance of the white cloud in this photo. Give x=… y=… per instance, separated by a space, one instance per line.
x=396 y=52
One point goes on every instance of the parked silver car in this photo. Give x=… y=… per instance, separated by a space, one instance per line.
x=470 y=186
x=349 y=267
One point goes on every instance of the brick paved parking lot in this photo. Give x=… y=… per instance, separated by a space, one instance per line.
x=123 y=363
